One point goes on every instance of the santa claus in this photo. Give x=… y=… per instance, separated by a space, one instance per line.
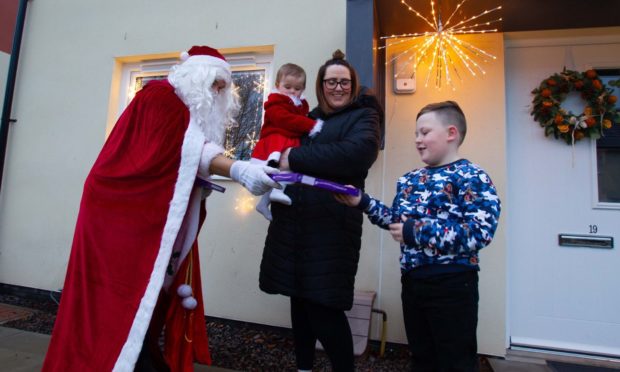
x=134 y=267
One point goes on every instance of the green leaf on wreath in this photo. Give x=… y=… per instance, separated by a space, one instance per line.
x=548 y=131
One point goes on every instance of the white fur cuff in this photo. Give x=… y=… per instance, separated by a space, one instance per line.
x=209 y=151
x=317 y=128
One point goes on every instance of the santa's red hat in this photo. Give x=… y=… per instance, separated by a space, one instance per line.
x=205 y=54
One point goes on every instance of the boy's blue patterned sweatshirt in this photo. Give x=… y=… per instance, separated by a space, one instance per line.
x=451 y=213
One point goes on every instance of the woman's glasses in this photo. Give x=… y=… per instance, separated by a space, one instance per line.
x=333 y=83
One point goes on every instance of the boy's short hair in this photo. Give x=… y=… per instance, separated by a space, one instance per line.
x=290 y=69
x=449 y=113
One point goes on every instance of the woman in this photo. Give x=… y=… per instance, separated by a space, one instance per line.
x=312 y=247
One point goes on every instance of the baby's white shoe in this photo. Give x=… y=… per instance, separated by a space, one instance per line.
x=278 y=196
x=263 y=207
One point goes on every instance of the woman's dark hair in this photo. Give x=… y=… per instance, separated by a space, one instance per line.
x=337 y=59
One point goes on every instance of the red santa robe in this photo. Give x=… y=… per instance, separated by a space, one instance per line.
x=284 y=124
x=139 y=204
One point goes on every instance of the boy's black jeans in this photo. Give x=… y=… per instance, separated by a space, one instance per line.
x=441 y=316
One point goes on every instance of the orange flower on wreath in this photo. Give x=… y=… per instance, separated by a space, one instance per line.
x=607 y=124
x=579 y=135
x=590 y=121
x=591 y=74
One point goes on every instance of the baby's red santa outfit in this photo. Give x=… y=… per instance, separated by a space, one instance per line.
x=135 y=244
x=284 y=124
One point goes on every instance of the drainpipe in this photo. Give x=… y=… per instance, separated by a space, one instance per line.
x=10 y=84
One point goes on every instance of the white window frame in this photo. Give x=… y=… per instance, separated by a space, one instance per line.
x=596 y=204
x=243 y=61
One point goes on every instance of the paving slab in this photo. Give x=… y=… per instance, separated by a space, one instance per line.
x=11 y=312
x=501 y=365
x=22 y=351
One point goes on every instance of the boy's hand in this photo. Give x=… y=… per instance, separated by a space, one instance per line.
x=396 y=230
x=348 y=200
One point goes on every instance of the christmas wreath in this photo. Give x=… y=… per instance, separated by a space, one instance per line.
x=599 y=112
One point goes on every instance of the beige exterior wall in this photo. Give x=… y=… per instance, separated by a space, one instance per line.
x=482 y=100
x=61 y=102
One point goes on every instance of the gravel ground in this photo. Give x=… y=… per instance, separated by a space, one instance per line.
x=238 y=345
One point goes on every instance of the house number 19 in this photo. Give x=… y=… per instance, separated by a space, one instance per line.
x=593 y=229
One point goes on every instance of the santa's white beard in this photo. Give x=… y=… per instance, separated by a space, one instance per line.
x=213 y=119
x=213 y=111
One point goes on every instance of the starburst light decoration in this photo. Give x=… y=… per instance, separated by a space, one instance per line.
x=441 y=46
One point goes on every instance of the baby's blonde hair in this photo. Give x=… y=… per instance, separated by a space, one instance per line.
x=290 y=69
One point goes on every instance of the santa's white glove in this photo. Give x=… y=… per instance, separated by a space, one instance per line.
x=254 y=177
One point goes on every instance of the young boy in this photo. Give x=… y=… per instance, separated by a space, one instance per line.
x=442 y=215
x=285 y=122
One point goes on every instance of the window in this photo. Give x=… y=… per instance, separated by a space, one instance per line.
x=608 y=154
x=250 y=74
x=241 y=138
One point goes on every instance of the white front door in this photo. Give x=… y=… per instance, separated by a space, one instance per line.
x=560 y=298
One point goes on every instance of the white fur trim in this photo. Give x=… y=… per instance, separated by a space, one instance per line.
x=213 y=61
x=187 y=234
x=296 y=100
x=209 y=151
x=190 y=158
x=316 y=129
x=276 y=155
x=184 y=56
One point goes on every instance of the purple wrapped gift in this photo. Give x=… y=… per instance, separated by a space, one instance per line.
x=209 y=185
x=315 y=182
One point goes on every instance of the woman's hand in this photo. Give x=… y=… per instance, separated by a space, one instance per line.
x=284 y=165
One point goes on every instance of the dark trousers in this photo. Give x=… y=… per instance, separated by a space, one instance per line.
x=441 y=316
x=312 y=321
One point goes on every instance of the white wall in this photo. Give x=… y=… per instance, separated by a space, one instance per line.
x=4 y=69
x=482 y=100
x=61 y=102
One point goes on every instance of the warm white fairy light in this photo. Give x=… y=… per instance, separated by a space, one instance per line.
x=244 y=204
x=252 y=139
x=442 y=46
x=229 y=151
x=260 y=85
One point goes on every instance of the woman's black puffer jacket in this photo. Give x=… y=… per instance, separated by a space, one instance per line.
x=312 y=246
